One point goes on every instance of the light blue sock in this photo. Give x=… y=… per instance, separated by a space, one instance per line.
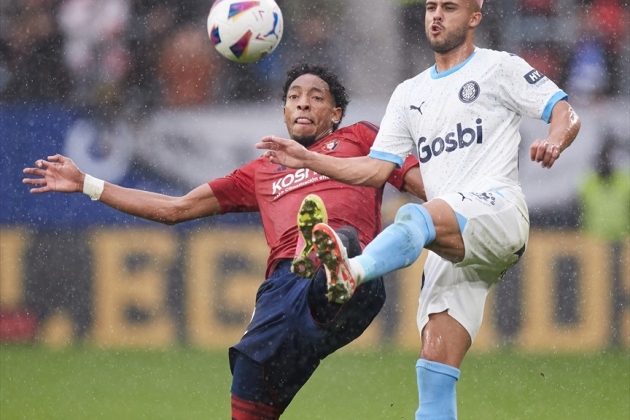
x=400 y=244
x=436 y=389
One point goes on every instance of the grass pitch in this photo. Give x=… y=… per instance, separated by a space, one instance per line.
x=87 y=383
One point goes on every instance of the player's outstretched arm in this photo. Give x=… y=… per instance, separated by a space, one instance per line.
x=413 y=183
x=356 y=171
x=563 y=128
x=60 y=174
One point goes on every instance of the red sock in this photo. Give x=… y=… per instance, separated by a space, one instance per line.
x=250 y=410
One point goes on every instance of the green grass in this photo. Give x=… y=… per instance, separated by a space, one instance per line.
x=86 y=383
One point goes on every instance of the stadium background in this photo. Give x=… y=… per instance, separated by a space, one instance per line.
x=132 y=91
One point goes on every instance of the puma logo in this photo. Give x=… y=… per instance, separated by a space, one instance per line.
x=416 y=108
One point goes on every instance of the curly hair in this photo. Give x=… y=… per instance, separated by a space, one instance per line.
x=337 y=90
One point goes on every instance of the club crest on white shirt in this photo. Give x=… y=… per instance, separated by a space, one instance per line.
x=469 y=92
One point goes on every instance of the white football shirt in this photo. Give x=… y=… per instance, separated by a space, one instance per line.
x=464 y=122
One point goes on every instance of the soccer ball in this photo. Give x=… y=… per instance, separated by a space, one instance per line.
x=245 y=31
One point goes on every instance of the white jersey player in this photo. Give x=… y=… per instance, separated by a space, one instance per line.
x=465 y=122
x=463 y=117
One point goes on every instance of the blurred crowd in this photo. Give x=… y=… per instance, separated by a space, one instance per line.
x=594 y=61
x=133 y=55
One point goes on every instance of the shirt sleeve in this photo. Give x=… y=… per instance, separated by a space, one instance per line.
x=526 y=90
x=398 y=175
x=236 y=192
x=394 y=137
x=367 y=133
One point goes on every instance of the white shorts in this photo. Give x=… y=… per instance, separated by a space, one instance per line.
x=495 y=235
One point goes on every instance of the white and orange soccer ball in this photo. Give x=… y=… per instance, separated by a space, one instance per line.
x=245 y=31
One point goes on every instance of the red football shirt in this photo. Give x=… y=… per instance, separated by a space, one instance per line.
x=277 y=192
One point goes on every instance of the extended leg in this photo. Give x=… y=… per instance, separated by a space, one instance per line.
x=263 y=391
x=251 y=399
x=399 y=245
x=444 y=345
x=396 y=247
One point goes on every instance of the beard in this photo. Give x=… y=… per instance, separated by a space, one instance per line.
x=304 y=140
x=453 y=40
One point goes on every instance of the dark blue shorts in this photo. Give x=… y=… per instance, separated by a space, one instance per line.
x=284 y=344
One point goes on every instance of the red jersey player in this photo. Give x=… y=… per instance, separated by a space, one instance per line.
x=294 y=325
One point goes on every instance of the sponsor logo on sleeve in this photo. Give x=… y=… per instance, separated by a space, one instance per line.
x=534 y=77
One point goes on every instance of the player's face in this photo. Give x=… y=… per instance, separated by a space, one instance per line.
x=447 y=23
x=310 y=111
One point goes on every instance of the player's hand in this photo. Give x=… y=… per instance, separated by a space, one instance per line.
x=545 y=152
x=284 y=151
x=58 y=173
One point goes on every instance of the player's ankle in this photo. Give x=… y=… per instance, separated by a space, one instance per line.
x=357 y=270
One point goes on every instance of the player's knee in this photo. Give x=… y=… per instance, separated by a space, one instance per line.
x=417 y=222
x=444 y=340
x=404 y=213
x=411 y=213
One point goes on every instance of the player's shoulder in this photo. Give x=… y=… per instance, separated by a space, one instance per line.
x=501 y=65
x=417 y=80
x=496 y=56
x=254 y=165
x=358 y=129
x=501 y=57
x=362 y=134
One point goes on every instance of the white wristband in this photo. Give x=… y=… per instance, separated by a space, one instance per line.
x=93 y=187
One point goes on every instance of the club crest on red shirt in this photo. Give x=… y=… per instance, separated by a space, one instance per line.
x=331 y=145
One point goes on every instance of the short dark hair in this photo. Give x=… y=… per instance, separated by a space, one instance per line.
x=337 y=90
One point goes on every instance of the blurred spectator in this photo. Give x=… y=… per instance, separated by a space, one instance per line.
x=242 y=82
x=185 y=68
x=605 y=202
x=587 y=68
x=538 y=7
x=311 y=28
x=413 y=51
x=31 y=66
x=548 y=59
x=490 y=33
x=96 y=50
x=612 y=17
x=595 y=65
x=152 y=22
x=605 y=198
x=157 y=25
x=105 y=54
